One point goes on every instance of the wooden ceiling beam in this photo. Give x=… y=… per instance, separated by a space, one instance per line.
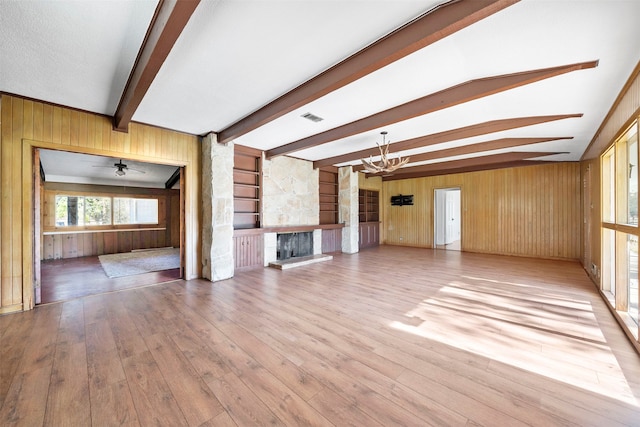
x=478 y=129
x=455 y=95
x=511 y=156
x=493 y=166
x=427 y=29
x=496 y=144
x=170 y=18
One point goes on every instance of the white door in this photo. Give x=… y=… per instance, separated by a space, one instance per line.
x=447 y=219
x=452 y=216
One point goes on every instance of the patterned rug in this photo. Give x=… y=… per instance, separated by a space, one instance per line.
x=139 y=262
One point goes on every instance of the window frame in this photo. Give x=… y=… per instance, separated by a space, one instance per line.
x=615 y=283
x=160 y=224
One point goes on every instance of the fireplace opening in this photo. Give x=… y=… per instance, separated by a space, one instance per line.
x=291 y=245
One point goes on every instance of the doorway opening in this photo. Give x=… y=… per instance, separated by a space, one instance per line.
x=447 y=230
x=103 y=224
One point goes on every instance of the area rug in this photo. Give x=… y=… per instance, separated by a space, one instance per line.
x=139 y=262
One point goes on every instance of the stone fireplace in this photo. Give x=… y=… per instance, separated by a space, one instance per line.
x=292 y=245
x=312 y=239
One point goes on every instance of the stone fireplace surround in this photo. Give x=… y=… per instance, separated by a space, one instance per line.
x=271 y=241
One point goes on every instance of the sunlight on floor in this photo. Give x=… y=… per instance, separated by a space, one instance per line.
x=551 y=334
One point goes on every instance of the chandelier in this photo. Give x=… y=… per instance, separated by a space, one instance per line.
x=385 y=165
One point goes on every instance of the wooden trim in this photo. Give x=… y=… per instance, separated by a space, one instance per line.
x=587 y=152
x=455 y=95
x=474 y=161
x=183 y=216
x=623 y=228
x=173 y=179
x=69 y=188
x=28 y=228
x=37 y=223
x=12 y=309
x=106 y=153
x=167 y=24
x=449 y=135
x=292 y=228
x=434 y=25
x=103 y=228
x=329 y=168
x=248 y=151
x=475 y=148
x=117 y=230
x=618 y=317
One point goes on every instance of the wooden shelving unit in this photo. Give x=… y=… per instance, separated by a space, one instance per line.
x=328 y=191
x=369 y=206
x=246 y=191
x=369 y=217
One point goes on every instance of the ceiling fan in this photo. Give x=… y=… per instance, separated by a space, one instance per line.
x=121 y=168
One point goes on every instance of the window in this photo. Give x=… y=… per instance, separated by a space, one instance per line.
x=82 y=211
x=87 y=211
x=608 y=186
x=135 y=211
x=620 y=226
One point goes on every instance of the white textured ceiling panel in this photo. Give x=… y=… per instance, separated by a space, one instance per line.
x=74 y=53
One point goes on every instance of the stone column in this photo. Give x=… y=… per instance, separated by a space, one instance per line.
x=217 y=209
x=348 y=208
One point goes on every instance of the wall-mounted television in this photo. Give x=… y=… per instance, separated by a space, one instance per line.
x=402 y=200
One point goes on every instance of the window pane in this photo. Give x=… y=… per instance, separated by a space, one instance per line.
x=632 y=290
x=135 y=211
x=97 y=210
x=632 y=173
x=608 y=263
x=81 y=211
x=62 y=211
x=608 y=186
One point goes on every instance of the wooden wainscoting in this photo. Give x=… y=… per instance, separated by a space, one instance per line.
x=75 y=245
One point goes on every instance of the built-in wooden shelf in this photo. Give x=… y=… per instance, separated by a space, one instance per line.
x=328 y=192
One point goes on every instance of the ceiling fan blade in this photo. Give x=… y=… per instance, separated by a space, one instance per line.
x=134 y=170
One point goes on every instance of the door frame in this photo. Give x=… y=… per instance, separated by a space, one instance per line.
x=31 y=237
x=436 y=207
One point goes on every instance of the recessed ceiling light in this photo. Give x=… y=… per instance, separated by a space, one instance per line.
x=312 y=117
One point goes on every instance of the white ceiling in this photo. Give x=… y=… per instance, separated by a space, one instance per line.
x=234 y=57
x=76 y=168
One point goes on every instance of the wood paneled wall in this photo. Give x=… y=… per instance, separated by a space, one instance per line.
x=74 y=245
x=592 y=217
x=27 y=124
x=528 y=211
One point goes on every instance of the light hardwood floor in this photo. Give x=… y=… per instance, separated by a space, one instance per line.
x=389 y=336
